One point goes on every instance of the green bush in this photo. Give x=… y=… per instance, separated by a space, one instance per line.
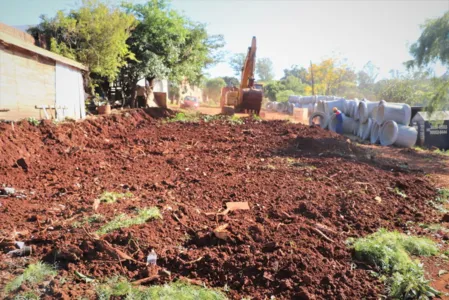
x=390 y=253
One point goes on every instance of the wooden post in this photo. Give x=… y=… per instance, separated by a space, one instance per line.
x=313 y=83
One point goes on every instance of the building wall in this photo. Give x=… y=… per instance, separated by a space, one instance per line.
x=26 y=80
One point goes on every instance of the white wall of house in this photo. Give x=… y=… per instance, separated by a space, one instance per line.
x=69 y=93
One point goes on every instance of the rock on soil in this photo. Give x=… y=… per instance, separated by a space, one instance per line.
x=307 y=188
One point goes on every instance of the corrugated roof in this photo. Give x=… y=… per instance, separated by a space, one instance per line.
x=5 y=38
x=436 y=116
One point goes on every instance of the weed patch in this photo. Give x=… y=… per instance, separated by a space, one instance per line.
x=123 y=220
x=185 y=117
x=96 y=218
x=34 y=273
x=443 y=195
x=27 y=296
x=112 y=197
x=120 y=287
x=390 y=252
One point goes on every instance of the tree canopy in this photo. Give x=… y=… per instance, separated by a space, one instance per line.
x=433 y=46
x=95 y=35
x=264 y=69
x=213 y=88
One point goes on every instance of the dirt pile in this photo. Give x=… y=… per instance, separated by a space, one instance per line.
x=309 y=190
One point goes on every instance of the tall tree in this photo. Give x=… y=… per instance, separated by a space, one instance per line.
x=213 y=88
x=167 y=45
x=297 y=71
x=95 y=35
x=433 y=46
x=231 y=81
x=331 y=77
x=236 y=63
x=264 y=69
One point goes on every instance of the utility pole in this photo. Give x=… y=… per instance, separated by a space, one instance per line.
x=313 y=82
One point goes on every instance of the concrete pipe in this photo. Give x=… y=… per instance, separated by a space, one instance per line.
x=320 y=106
x=355 y=113
x=356 y=127
x=319 y=118
x=365 y=109
x=374 y=135
x=331 y=104
x=365 y=129
x=290 y=108
x=374 y=113
x=407 y=136
x=388 y=133
x=348 y=123
x=401 y=114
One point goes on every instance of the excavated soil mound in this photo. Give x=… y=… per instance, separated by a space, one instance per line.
x=308 y=189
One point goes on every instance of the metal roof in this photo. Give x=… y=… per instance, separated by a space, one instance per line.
x=10 y=40
x=436 y=116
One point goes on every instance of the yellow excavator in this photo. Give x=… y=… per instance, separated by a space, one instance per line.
x=248 y=97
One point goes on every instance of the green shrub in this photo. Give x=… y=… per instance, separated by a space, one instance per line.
x=123 y=220
x=34 y=273
x=120 y=287
x=390 y=253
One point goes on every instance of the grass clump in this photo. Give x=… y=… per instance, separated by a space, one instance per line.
x=443 y=195
x=442 y=152
x=390 y=253
x=123 y=220
x=120 y=287
x=185 y=117
x=235 y=120
x=95 y=218
x=27 y=296
x=34 y=273
x=33 y=121
x=112 y=197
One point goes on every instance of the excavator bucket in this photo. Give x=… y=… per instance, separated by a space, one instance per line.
x=251 y=101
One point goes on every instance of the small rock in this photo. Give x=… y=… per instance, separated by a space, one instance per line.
x=304 y=295
x=21 y=162
x=287 y=284
x=307 y=279
x=445 y=218
x=378 y=199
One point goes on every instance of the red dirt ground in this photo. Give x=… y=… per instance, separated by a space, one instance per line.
x=309 y=190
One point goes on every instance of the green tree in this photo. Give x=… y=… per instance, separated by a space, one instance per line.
x=167 y=45
x=95 y=35
x=213 y=88
x=264 y=69
x=283 y=95
x=236 y=63
x=271 y=89
x=299 y=72
x=294 y=84
x=230 y=81
x=331 y=77
x=433 y=46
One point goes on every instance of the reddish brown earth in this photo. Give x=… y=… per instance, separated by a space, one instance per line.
x=309 y=190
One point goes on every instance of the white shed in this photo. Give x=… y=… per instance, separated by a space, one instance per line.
x=37 y=83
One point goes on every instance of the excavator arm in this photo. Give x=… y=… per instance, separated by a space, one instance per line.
x=247 y=98
x=249 y=65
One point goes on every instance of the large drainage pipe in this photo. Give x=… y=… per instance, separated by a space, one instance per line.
x=374 y=135
x=365 y=129
x=365 y=109
x=348 y=123
x=406 y=136
x=331 y=104
x=388 y=133
x=319 y=118
x=401 y=114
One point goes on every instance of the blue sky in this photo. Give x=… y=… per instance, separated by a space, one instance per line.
x=290 y=32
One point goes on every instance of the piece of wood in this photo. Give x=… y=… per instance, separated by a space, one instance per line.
x=231 y=206
x=146 y=280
